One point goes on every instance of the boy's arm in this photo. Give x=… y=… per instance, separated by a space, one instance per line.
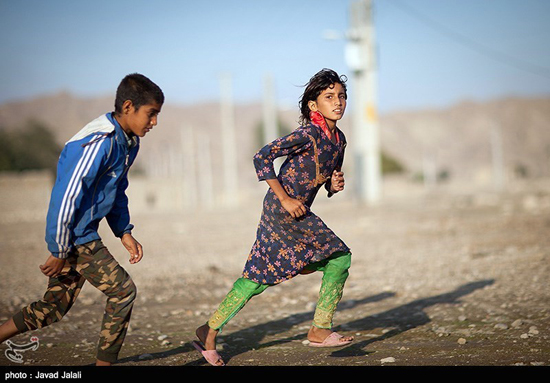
x=119 y=221
x=53 y=266
x=119 y=216
x=79 y=162
x=134 y=247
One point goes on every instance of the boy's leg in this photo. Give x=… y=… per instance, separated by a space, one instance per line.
x=8 y=329
x=98 y=266
x=60 y=295
x=335 y=273
x=242 y=291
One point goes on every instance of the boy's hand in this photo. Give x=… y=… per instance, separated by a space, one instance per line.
x=53 y=266
x=133 y=247
x=337 y=182
x=295 y=207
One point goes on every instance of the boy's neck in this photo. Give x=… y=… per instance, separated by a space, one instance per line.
x=120 y=121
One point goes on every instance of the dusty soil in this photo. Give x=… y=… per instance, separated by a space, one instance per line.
x=437 y=280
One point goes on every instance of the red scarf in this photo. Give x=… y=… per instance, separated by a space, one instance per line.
x=319 y=120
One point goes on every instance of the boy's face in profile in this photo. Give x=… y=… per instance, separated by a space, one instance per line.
x=139 y=121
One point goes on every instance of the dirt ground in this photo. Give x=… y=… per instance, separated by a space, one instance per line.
x=437 y=279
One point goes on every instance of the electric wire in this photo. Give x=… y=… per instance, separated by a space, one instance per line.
x=472 y=44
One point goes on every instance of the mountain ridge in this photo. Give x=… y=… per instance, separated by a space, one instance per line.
x=456 y=139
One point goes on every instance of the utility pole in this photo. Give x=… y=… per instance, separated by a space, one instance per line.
x=189 y=175
x=229 y=143
x=497 y=157
x=429 y=171
x=361 y=58
x=270 y=122
x=205 y=171
x=269 y=111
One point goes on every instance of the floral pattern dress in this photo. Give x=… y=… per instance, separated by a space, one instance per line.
x=285 y=245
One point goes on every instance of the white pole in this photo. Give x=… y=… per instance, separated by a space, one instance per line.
x=229 y=143
x=361 y=57
x=270 y=121
x=269 y=111
x=205 y=172
x=429 y=171
x=497 y=157
x=189 y=176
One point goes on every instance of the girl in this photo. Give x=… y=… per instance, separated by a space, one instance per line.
x=292 y=240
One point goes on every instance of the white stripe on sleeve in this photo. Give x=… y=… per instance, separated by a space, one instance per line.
x=72 y=192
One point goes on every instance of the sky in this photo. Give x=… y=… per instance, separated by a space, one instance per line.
x=431 y=53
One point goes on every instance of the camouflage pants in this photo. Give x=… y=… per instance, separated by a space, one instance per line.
x=90 y=262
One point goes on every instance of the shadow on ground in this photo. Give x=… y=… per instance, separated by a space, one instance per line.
x=400 y=319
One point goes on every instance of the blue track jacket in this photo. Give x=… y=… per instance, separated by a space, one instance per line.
x=92 y=176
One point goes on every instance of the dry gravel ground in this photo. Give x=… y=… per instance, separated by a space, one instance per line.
x=446 y=279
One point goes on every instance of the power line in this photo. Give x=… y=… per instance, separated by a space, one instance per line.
x=472 y=44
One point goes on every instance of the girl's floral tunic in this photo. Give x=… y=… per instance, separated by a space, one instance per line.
x=285 y=245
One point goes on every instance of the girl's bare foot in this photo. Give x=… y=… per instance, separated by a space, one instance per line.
x=207 y=336
x=318 y=335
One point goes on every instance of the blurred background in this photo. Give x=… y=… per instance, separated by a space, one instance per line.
x=447 y=94
x=443 y=95
x=447 y=165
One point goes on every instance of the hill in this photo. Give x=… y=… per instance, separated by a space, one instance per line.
x=458 y=142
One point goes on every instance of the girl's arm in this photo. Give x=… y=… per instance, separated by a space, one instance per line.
x=293 y=143
x=295 y=207
x=336 y=182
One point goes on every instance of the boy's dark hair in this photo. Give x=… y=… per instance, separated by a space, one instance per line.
x=138 y=89
x=322 y=80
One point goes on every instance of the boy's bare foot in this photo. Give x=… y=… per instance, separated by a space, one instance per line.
x=102 y=363
x=318 y=335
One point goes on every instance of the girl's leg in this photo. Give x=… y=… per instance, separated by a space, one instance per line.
x=242 y=291
x=335 y=273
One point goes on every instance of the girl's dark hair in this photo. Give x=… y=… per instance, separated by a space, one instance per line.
x=138 y=89
x=322 y=80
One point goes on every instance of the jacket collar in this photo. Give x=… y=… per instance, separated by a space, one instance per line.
x=121 y=134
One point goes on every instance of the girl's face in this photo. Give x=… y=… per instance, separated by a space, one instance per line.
x=331 y=103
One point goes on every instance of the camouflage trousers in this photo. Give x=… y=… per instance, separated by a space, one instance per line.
x=89 y=262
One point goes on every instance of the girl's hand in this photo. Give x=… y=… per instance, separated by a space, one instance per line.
x=337 y=181
x=295 y=207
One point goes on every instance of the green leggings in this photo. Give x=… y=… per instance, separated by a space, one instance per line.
x=335 y=272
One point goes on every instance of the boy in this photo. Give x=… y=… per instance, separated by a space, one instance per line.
x=91 y=181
